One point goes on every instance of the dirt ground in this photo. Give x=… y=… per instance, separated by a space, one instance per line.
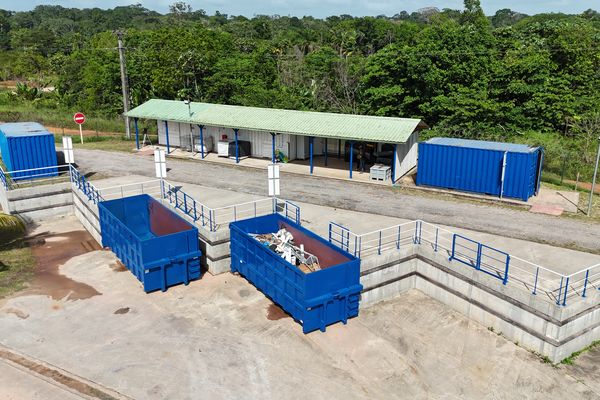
x=373 y=199
x=220 y=338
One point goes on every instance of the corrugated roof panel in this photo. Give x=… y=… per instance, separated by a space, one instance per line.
x=305 y=123
x=482 y=144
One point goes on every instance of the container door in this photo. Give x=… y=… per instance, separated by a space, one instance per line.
x=540 y=163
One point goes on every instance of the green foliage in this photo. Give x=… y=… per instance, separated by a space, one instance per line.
x=11 y=229
x=530 y=79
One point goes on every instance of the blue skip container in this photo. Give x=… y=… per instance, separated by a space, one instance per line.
x=315 y=299
x=158 y=246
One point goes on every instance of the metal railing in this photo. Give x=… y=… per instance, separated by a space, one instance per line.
x=506 y=267
x=215 y=218
x=151 y=187
x=12 y=180
x=84 y=185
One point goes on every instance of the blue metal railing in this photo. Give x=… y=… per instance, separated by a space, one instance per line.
x=80 y=181
x=3 y=178
x=495 y=264
x=486 y=259
x=188 y=205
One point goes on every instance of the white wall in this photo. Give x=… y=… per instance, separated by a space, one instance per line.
x=261 y=142
x=406 y=155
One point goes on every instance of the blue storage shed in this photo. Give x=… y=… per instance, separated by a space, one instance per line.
x=315 y=299
x=158 y=246
x=28 y=146
x=492 y=168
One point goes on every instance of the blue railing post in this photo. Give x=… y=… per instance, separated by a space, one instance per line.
x=355 y=243
x=436 y=238
x=310 y=152
x=379 y=245
x=202 y=215
x=560 y=290
x=478 y=262
x=537 y=273
x=587 y=275
x=399 y=237
x=453 y=247
x=195 y=215
x=185 y=204
x=565 y=293
x=330 y=232
x=505 y=280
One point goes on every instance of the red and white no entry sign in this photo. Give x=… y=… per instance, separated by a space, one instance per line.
x=79 y=118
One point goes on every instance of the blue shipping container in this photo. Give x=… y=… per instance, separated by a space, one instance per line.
x=26 y=146
x=158 y=246
x=493 y=168
x=314 y=299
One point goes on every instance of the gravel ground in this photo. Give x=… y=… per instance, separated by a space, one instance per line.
x=360 y=197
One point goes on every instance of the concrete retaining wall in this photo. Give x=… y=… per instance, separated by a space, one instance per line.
x=38 y=202
x=87 y=213
x=533 y=322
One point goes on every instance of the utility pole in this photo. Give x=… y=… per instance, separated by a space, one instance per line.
x=594 y=180
x=124 y=85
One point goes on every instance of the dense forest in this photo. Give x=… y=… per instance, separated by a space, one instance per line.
x=533 y=79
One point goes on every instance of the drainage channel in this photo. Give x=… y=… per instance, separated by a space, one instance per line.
x=64 y=379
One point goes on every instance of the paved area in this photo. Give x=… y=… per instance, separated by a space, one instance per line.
x=219 y=338
x=374 y=199
x=19 y=384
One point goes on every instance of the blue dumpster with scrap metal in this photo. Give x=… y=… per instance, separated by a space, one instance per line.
x=158 y=246
x=315 y=282
x=27 y=150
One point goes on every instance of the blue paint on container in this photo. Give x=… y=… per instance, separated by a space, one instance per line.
x=492 y=168
x=316 y=299
x=158 y=246
x=28 y=146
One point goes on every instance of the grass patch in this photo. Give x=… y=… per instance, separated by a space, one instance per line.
x=16 y=259
x=571 y=359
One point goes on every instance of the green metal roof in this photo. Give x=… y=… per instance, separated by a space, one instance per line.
x=304 y=123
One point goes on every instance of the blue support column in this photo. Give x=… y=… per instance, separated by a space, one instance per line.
x=339 y=148
x=273 y=147
x=325 y=151
x=237 y=149
x=167 y=134
x=394 y=163
x=310 y=152
x=351 y=157
x=201 y=127
x=137 y=134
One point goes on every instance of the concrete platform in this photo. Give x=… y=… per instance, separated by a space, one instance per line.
x=220 y=338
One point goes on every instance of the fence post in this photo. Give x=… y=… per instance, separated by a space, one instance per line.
x=202 y=215
x=436 y=239
x=329 y=232
x=379 y=245
x=587 y=274
x=478 y=263
x=185 y=211
x=453 y=247
x=286 y=209
x=355 y=243
x=416 y=230
x=505 y=280
x=537 y=272
x=399 y=237
x=560 y=290
x=566 y=290
x=195 y=214
x=298 y=215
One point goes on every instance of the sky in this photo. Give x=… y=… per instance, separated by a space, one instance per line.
x=320 y=8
